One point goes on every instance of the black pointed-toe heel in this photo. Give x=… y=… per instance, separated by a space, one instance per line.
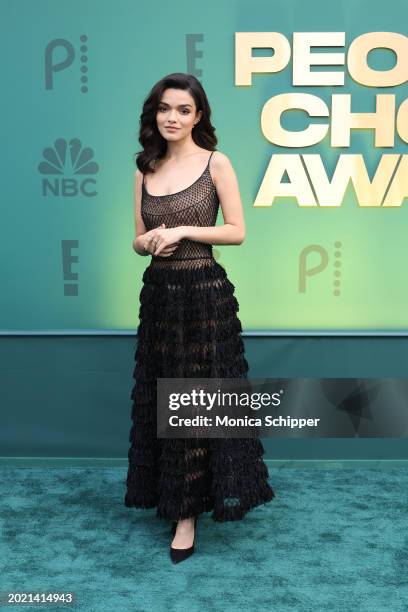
x=180 y=554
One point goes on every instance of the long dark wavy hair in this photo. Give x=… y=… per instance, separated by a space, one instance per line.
x=153 y=143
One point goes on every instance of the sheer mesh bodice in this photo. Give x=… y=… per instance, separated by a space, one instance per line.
x=196 y=205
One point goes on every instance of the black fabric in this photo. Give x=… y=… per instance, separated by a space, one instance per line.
x=189 y=327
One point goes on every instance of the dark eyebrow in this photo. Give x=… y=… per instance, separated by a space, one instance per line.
x=179 y=104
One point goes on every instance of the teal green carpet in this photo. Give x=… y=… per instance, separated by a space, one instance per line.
x=332 y=539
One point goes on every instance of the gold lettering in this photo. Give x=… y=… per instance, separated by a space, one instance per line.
x=310 y=185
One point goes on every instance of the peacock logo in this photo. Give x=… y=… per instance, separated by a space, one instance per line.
x=70 y=164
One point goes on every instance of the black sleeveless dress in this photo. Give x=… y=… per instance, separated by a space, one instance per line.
x=189 y=328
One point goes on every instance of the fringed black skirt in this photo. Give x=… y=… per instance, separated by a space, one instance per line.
x=189 y=328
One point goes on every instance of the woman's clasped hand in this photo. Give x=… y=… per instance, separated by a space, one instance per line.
x=162 y=241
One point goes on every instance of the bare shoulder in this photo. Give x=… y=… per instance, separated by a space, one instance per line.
x=220 y=160
x=220 y=165
x=138 y=178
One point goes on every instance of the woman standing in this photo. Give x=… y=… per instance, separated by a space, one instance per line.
x=188 y=315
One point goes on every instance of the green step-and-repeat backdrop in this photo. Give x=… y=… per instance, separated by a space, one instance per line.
x=309 y=103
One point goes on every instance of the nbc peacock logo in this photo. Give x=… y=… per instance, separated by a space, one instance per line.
x=70 y=168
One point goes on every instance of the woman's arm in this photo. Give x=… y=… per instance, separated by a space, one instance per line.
x=140 y=229
x=226 y=183
x=221 y=234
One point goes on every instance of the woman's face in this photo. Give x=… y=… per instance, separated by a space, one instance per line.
x=177 y=109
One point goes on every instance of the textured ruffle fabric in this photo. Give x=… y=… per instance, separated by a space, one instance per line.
x=189 y=327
